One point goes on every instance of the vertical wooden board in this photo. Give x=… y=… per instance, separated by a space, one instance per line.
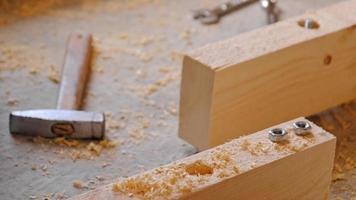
x=283 y=85
x=195 y=101
x=249 y=167
x=274 y=74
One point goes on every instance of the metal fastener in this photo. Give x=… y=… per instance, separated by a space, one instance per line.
x=277 y=134
x=272 y=11
x=301 y=128
x=308 y=23
x=212 y=16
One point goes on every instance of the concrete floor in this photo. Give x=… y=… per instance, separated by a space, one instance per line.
x=136 y=43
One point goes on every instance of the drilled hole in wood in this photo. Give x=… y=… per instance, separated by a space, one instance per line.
x=327 y=59
x=199 y=168
x=308 y=24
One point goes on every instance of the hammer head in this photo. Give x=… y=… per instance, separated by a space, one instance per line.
x=54 y=123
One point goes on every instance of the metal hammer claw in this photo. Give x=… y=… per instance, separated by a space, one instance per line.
x=66 y=120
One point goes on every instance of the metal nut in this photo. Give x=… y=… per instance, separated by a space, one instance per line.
x=277 y=134
x=301 y=128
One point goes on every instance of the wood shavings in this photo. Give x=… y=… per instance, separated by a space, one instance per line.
x=103 y=165
x=76 y=149
x=145 y=124
x=100 y=178
x=136 y=135
x=254 y=149
x=144 y=41
x=141 y=73
x=336 y=176
x=43 y=167
x=28 y=8
x=33 y=70
x=78 y=184
x=66 y=142
x=172 y=110
x=211 y=166
x=12 y=102
x=95 y=148
x=53 y=74
x=113 y=123
x=176 y=56
x=152 y=88
x=144 y=57
x=106 y=144
x=168 y=181
x=341 y=123
x=165 y=70
x=123 y=36
x=34 y=167
x=186 y=35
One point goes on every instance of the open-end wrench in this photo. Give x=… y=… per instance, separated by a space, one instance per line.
x=212 y=16
x=272 y=11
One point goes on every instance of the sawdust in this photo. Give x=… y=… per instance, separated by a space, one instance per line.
x=254 y=149
x=12 y=101
x=136 y=135
x=154 y=87
x=78 y=184
x=27 y=8
x=144 y=41
x=344 y=126
x=76 y=149
x=166 y=70
x=180 y=178
x=34 y=167
x=186 y=35
x=53 y=74
x=33 y=71
x=183 y=177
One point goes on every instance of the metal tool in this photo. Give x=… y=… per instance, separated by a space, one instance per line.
x=212 y=16
x=65 y=121
x=272 y=11
x=302 y=128
x=277 y=135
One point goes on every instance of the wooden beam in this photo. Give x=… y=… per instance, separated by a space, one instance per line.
x=250 y=167
x=267 y=76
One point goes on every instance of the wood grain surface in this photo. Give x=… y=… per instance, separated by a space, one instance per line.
x=249 y=167
x=135 y=80
x=266 y=76
x=75 y=72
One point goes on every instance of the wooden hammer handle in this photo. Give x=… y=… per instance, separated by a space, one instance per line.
x=75 y=71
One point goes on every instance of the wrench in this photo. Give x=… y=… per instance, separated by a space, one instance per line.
x=272 y=11
x=212 y=16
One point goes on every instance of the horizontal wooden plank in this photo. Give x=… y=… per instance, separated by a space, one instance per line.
x=267 y=76
x=250 y=167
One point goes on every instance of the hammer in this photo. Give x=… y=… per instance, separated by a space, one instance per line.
x=65 y=121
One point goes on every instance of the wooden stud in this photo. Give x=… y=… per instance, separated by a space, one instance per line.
x=249 y=167
x=270 y=75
